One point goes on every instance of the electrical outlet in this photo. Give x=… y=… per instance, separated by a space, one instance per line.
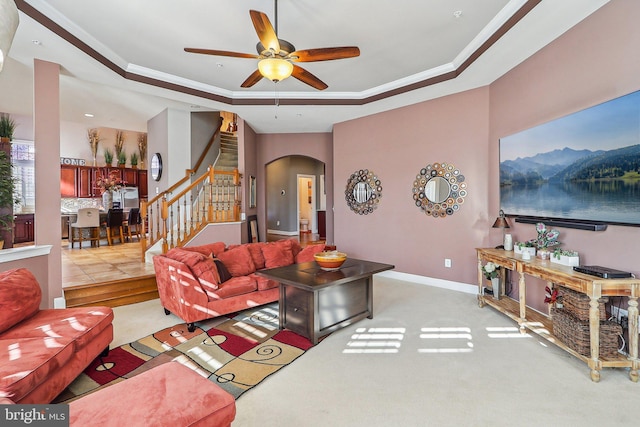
x=447 y=262
x=278 y=223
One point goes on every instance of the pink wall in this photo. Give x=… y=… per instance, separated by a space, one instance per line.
x=396 y=145
x=270 y=147
x=594 y=62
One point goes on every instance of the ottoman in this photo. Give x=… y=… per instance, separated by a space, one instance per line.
x=169 y=395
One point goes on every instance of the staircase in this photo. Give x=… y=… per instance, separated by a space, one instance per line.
x=228 y=159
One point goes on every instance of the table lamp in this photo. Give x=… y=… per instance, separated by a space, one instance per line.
x=501 y=222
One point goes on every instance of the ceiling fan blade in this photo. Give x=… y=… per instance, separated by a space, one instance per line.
x=308 y=78
x=324 y=54
x=254 y=78
x=265 y=31
x=221 y=53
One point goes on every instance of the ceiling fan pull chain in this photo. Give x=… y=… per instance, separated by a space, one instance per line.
x=276 y=98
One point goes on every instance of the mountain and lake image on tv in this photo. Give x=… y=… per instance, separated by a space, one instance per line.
x=584 y=166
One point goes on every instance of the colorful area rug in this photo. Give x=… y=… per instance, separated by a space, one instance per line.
x=236 y=353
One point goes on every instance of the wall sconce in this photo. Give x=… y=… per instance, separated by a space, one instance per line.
x=9 y=20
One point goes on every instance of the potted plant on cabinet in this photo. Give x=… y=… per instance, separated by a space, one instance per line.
x=7 y=127
x=122 y=159
x=7 y=199
x=108 y=157
x=134 y=160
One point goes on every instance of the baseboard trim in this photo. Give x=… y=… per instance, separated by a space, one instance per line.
x=431 y=281
x=282 y=233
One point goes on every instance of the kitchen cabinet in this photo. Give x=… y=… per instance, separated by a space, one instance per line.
x=68 y=181
x=24 y=228
x=79 y=181
x=143 y=185
x=84 y=182
x=130 y=176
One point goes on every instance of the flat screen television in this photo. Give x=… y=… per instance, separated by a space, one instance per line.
x=581 y=167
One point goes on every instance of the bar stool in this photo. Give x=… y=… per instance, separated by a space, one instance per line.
x=132 y=224
x=115 y=218
x=88 y=218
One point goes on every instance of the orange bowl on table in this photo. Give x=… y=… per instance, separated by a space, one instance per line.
x=330 y=259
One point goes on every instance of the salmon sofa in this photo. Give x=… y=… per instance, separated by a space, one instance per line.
x=201 y=282
x=43 y=351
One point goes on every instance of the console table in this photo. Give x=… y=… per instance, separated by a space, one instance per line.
x=540 y=324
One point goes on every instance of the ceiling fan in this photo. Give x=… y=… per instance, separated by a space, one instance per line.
x=277 y=57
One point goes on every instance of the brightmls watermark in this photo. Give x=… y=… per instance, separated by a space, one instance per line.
x=54 y=415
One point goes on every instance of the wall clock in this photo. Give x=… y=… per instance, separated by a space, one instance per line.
x=156 y=166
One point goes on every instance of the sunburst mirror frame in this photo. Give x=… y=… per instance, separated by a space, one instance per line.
x=432 y=196
x=363 y=192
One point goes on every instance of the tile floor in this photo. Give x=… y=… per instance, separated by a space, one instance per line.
x=102 y=264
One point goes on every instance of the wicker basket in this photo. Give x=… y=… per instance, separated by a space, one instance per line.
x=575 y=333
x=577 y=304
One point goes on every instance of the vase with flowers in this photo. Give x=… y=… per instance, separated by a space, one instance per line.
x=107 y=185
x=490 y=272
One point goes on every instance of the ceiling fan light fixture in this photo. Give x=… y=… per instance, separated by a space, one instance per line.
x=8 y=25
x=275 y=69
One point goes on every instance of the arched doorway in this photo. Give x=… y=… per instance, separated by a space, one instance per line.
x=293 y=193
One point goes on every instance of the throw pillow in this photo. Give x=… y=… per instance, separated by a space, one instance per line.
x=255 y=249
x=201 y=265
x=277 y=254
x=20 y=297
x=222 y=271
x=306 y=254
x=238 y=261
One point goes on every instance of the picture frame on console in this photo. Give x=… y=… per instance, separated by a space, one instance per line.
x=576 y=171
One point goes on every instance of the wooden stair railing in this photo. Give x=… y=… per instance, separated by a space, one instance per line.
x=213 y=197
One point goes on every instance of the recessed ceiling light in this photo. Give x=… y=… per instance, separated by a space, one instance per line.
x=219 y=64
x=88 y=115
x=36 y=42
x=457 y=13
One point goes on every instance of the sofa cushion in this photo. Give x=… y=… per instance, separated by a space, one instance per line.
x=307 y=253
x=81 y=325
x=201 y=265
x=20 y=297
x=278 y=254
x=233 y=287
x=208 y=249
x=238 y=261
x=26 y=362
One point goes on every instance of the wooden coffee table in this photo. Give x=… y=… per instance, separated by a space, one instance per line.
x=315 y=302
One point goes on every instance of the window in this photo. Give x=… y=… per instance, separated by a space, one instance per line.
x=23 y=159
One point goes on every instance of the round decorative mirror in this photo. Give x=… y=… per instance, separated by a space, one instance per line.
x=363 y=191
x=156 y=166
x=439 y=189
